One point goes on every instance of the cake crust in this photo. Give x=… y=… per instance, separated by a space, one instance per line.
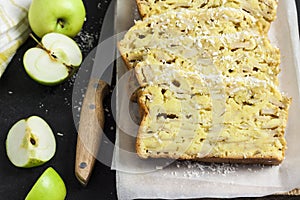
x=264 y=11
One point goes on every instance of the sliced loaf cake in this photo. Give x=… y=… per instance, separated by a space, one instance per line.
x=208 y=78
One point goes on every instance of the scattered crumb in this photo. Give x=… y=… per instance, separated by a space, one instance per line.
x=67 y=102
x=195 y=169
x=41 y=105
x=136 y=13
x=159 y=167
x=60 y=134
x=86 y=41
x=77 y=108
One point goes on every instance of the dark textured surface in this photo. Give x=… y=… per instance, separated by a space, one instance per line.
x=21 y=97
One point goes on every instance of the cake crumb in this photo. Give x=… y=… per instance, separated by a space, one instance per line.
x=159 y=167
x=60 y=134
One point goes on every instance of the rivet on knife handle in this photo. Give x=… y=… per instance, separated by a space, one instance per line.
x=90 y=130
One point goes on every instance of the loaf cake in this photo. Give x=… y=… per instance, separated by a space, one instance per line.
x=208 y=117
x=235 y=49
x=263 y=10
x=208 y=77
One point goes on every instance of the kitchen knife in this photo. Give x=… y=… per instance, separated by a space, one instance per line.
x=91 y=123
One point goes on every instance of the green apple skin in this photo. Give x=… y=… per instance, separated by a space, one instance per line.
x=49 y=186
x=61 y=16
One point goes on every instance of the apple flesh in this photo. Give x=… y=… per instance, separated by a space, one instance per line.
x=66 y=17
x=49 y=186
x=30 y=142
x=56 y=60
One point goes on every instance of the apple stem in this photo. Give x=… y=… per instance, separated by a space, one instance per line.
x=61 y=23
x=71 y=70
x=39 y=43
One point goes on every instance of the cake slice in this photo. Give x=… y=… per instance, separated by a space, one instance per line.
x=263 y=10
x=209 y=117
x=237 y=54
x=215 y=21
x=229 y=37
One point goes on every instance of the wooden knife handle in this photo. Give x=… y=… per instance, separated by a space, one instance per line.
x=90 y=129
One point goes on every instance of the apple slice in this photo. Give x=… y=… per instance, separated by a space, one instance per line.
x=30 y=142
x=55 y=61
x=49 y=186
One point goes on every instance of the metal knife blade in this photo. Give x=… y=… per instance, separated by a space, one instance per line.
x=91 y=121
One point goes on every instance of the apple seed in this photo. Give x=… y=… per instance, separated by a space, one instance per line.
x=32 y=141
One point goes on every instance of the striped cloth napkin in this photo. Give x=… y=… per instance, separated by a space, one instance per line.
x=14 y=29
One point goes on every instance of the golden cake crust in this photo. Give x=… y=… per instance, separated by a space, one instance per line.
x=264 y=11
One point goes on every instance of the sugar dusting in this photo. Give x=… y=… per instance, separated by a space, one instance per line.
x=197 y=169
x=87 y=40
x=193 y=169
x=136 y=14
x=60 y=134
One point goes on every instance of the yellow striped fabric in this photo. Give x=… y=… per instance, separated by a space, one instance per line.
x=14 y=29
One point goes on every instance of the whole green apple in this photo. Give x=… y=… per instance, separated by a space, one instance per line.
x=62 y=16
x=49 y=186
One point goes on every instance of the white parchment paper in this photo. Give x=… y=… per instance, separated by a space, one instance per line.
x=169 y=179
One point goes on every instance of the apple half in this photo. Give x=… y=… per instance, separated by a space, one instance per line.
x=55 y=60
x=30 y=142
x=49 y=186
